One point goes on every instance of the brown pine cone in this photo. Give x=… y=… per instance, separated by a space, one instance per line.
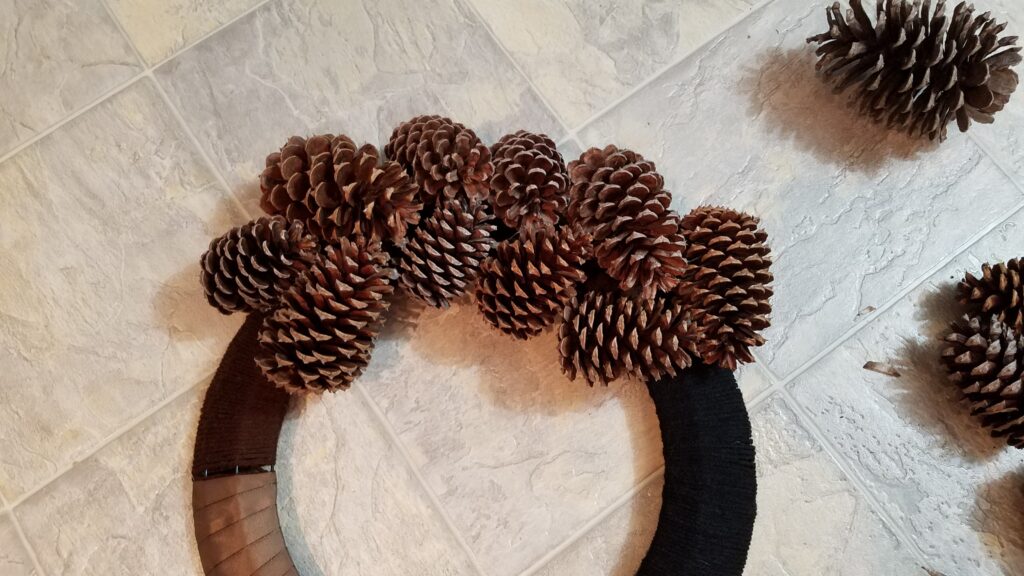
x=728 y=282
x=620 y=200
x=526 y=283
x=999 y=291
x=916 y=68
x=345 y=192
x=445 y=158
x=985 y=359
x=530 y=186
x=321 y=336
x=249 y=267
x=443 y=257
x=605 y=335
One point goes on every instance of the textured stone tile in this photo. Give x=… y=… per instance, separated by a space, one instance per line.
x=352 y=67
x=583 y=55
x=127 y=508
x=855 y=213
x=349 y=502
x=617 y=545
x=520 y=457
x=55 y=58
x=14 y=559
x=159 y=28
x=914 y=444
x=101 y=313
x=810 y=519
x=1004 y=137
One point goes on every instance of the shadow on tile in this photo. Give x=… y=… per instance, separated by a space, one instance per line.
x=798 y=106
x=929 y=398
x=533 y=383
x=999 y=522
x=180 y=302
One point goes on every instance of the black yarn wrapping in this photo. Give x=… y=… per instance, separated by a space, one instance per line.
x=709 y=501
x=709 y=498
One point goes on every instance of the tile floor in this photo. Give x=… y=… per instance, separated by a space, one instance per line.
x=131 y=132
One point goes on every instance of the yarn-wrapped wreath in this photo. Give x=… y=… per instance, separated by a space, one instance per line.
x=636 y=291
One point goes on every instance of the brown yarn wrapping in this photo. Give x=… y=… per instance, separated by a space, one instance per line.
x=242 y=414
x=237 y=528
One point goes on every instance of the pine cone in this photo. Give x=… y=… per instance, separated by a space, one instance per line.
x=248 y=268
x=530 y=186
x=340 y=191
x=321 y=336
x=620 y=200
x=727 y=282
x=999 y=291
x=444 y=255
x=916 y=69
x=605 y=335
x=985 y=359
x=446 y=158
x=526 y=283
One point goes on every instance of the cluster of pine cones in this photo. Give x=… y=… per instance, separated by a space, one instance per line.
x=984 y=353
x=917 y=66
x=593 y=246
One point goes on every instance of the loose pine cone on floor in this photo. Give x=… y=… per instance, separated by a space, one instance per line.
x=727 y=282
x=620 y=200
x=530 y=186
x=917 y=68
x=248 y=268
x=445 y=158
x=526 y=283
x=605 y=335
x=985 y=359
x=443 y=257
x=320 y=337
x=339 y=190
x=999 y=291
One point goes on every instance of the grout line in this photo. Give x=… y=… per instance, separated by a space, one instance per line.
x=199 y=148
x=209 y=34
x=71 y=117
x=29 y=549
x=594 y=522
x=124 y=32
x=515 y=64
x=911 y=286
x=109 y=438
x=739 y=18
x=407 y=456
x=853 y=475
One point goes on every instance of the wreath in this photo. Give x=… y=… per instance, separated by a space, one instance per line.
x=593 y=246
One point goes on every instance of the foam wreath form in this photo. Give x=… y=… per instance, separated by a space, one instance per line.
x=708 y=503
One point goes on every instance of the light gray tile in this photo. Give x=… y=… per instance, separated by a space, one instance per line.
x=752 y=380
x=913 y=442
x=855 y=213
x=810 y=519
x=583 y=55
x=349 y=502
x=14 y=559
x=1004 y=137
x=127 y=508
x=353 y=67
x=519 y=456
x=617 y=545
x=101 y=312
x=159 y=28
x=56 y=57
